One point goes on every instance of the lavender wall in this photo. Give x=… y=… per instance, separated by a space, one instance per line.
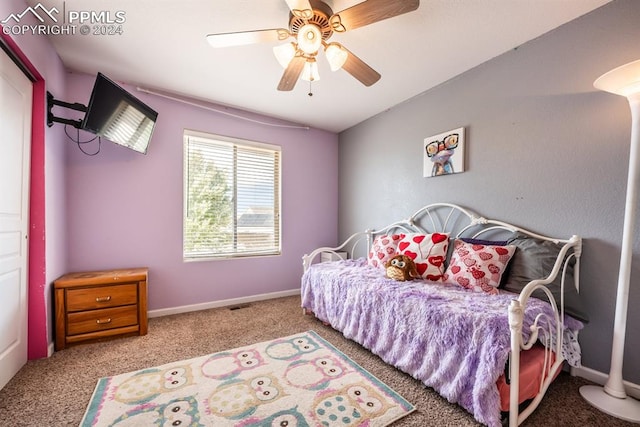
x=124 y=209
x=545 y=150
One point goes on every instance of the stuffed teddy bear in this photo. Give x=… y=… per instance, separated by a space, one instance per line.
x=401 y=268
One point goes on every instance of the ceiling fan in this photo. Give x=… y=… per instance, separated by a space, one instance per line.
x=311 y=24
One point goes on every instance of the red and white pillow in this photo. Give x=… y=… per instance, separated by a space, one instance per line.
x=478 y=267
x=383 y=249
x=428 y=252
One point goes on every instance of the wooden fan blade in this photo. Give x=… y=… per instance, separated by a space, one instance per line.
x=300 y=8
x=360 y=70
x=292 y=73
x=247 y=37
x=370 y=11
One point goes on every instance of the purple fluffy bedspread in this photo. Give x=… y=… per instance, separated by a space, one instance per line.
x=452 y=339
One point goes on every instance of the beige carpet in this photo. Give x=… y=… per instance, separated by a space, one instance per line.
x=55 y=391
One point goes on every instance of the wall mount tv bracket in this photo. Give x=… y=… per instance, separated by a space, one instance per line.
x=51 y=102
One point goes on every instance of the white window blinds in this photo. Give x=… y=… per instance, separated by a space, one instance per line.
x=231 y=197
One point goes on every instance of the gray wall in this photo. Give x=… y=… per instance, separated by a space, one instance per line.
x=545 y=151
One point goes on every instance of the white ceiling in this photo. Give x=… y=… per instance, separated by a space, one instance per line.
x=163 y=47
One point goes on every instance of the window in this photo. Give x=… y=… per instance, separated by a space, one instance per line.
x=231 y=197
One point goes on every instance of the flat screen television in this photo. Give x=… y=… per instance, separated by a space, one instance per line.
x=118 y=116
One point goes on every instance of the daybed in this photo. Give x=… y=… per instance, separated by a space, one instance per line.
x=483 y=314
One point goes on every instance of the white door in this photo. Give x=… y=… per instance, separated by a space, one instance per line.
x=15 y=150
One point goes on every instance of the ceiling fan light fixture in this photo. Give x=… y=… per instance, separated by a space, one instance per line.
x=311 y=24
x=309 y=38
x=336 y=56
x=310 y=71
x=284 y=53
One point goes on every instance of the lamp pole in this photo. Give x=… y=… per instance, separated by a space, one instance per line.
x=612 y=398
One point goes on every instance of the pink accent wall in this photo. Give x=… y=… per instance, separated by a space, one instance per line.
x=124 y=209
x=38 y=300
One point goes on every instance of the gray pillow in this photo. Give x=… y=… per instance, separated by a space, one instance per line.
x=534 y=259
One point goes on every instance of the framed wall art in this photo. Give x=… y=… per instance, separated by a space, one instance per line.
x=444 y=153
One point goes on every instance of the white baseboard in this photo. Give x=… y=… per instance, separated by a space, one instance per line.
x=221 y=303
x=598 y=377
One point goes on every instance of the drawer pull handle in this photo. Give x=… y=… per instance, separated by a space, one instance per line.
x=103 y=299
x=103 y=321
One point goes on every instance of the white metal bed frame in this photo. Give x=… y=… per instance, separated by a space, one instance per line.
x=460 y=222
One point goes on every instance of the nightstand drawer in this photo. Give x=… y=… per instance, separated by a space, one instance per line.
x=98 y=320
x=101 y=297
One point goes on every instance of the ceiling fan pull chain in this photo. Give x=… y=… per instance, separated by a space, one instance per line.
x=310 y=92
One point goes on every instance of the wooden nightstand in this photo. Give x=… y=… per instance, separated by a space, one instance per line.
x=100 y=304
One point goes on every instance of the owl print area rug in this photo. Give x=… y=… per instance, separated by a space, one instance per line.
x=300 y=380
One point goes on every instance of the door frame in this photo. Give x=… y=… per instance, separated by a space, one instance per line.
x=38 y=321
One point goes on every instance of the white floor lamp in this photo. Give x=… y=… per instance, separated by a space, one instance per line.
x=612 y=398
